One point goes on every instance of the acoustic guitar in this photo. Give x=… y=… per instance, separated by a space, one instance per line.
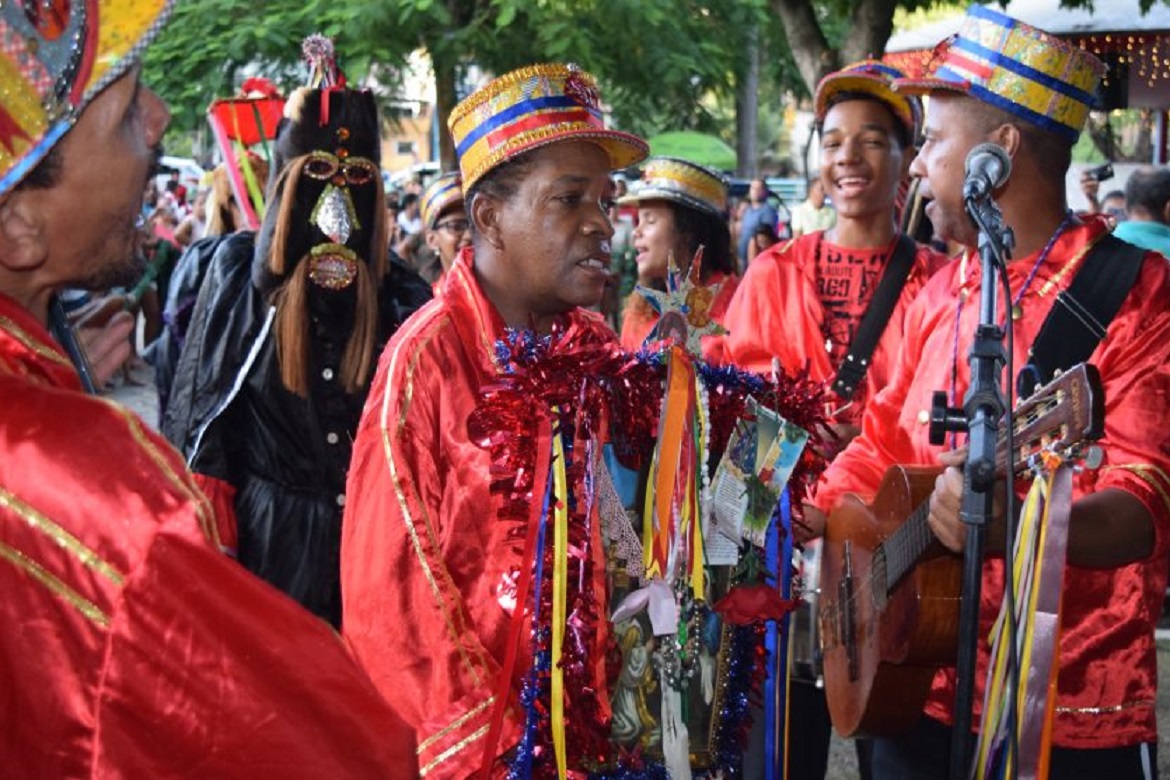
x=889 y=593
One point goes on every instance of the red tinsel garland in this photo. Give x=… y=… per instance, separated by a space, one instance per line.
x=598 y=389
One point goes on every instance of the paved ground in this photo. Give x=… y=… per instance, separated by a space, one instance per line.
x=142 y=398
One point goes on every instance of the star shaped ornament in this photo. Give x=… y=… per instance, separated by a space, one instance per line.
x=685 y=308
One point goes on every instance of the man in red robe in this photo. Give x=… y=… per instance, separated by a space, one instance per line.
x=131 y=646
x=1118 y=537
x=429 y=570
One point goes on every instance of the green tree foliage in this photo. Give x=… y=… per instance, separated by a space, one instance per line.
x=655 y=58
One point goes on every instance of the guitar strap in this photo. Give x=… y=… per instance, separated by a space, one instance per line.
x=875 y=319
x=1082 y=313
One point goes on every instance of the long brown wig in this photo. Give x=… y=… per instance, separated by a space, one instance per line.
x=293 y=236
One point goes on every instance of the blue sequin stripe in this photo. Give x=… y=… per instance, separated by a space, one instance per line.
x=34 y=155
x=987 y=96
x=518 y=111
x=1020 y=69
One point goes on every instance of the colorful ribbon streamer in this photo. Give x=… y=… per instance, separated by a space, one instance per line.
x=1038 y=560
x=778 y=643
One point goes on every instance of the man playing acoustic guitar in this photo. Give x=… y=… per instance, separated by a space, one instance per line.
x=1004 y=82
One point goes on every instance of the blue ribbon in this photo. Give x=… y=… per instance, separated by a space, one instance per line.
x=778 y=554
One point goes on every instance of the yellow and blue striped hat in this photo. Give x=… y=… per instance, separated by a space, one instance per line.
x=1016 y=67
x=529 y=108
x=442 y=193
x=874 y=78
x=55 y=57
x=680 y=181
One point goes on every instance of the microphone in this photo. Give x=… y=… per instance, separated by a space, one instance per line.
x=988 y=167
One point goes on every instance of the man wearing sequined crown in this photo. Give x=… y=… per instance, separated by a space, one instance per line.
x=434 y=569
x=1119 y=527
x=131 y=645
x=284 y=337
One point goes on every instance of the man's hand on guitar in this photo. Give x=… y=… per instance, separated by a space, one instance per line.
x=947 y=500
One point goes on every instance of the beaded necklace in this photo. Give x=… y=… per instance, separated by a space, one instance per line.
x=1017 y=310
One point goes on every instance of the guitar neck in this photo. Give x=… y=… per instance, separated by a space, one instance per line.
x=1068 y=411
x=904 y=547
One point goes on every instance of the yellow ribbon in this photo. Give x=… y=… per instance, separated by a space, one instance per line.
x=559 y=597
x=699 y=471
x=255 y=192
x=1028 y=568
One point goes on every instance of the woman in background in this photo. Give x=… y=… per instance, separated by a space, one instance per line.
x=681 y=207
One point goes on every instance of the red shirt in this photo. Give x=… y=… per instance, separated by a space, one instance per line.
x=428 y=570
x=131 y=646
x=1108 y=673
x=801 y=301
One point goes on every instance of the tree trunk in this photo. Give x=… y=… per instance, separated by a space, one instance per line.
x=810 y=50
x=747 y=111
x=869 y=29
x=444 y=102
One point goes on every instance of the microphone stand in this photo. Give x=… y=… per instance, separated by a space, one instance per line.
x=983 y=406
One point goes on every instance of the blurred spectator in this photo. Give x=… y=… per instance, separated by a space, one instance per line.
x=177 y=189
x=814 y=212
x=1113 y=204
x=163 y=223
x=1147 y=198
x=447 y=227
x=758 y=211
x=409 y=219
x=762 y=239
x=194 y=225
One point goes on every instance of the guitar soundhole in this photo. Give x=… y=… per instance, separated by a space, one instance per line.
x=877 y=578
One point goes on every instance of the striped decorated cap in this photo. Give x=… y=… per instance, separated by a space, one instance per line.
x=532 y=107
x=440 y=194
x=1016 y=67
x=55 y=57
x=876 y=79
x=680 y=181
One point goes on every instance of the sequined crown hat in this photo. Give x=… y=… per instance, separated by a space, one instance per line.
x=440 y=195
x=529 y=108
x=680 y=181
x=876 y=79
x=55 y=57
x=1016 y=67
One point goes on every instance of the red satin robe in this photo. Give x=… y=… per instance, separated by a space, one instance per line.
x=428 y=570
x=640 y=318
x=1108 y=672
x=779 y=313
x=130 y=646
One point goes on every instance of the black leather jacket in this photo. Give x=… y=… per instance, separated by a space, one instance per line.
x=286 y=456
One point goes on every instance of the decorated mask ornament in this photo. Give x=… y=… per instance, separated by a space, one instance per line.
x=321 y=254
x=328 y=195
x=332 y=266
